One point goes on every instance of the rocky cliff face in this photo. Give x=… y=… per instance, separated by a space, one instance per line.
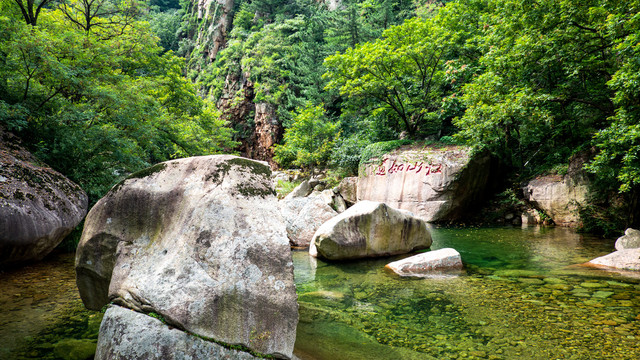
x=38 y=206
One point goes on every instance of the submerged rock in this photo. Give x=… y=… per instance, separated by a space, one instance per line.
x=435 y=183
x=370 y=229
x=630 y=240
x=200 y=242
x=427 y=263
x=303 y=216
x=126 y=334
x=38 y=206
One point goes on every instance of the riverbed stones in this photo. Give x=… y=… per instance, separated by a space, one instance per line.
x=433 y=183
x=427 y=263
x=369 y=229
x=127 y=334
x=303 y=216
x=200 y=242
x=630 y=240
x=38 y=205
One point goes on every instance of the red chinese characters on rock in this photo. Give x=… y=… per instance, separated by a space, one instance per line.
x=415 y=168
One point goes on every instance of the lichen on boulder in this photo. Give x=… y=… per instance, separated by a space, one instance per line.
x=201 y=243
x=38 y=205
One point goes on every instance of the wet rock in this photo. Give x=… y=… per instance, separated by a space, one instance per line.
x=630 y=240
x=126 y=334
x=435 y=183
x=627 y=259
x=38 y=206
x=303 y=216
x=427 y=263
x=369 y=229
x=200 y=242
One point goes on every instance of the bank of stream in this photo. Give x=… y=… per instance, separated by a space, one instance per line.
x=521 y=297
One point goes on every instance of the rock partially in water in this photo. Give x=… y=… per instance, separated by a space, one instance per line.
x=370 y=229
x=428 y=263
x=433 y=183
x=199 y=241
x=303 y=216
x=126 y=334
x=38 y=206
x=560 y=196
x=630 y=240
x=626 y=259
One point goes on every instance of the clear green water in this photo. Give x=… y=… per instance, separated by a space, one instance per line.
x=521 y=297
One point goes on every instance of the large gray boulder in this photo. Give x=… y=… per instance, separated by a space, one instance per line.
x=38 y=206
x=348 y=189
x=369 y=229
x=559 y=197
x=127 y=334
x=433 y=183
x=200 y=242
x=303 y=216
x=630 y=240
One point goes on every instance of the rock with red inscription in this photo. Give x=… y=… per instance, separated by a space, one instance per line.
x=434 y=183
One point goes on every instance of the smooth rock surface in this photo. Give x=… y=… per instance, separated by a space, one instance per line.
x=127 y=334
x=433 y=183
x=559 y=197
x=201 y=242
x=626 y=259
x=630 y=240
x=427 y=263
x=38 y=206
x=369 y=229
x=303 y=216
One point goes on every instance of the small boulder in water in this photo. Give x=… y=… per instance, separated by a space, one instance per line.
x=370 y=229
x=427 y=263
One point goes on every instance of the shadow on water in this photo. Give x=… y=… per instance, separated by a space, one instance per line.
x=522 y=297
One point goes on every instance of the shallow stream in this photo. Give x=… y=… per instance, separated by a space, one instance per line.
x=521 y=296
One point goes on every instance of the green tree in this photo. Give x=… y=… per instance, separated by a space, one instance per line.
x=309 y=140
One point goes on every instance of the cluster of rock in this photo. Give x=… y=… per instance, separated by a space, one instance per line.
x=194 y=242
x=626 y=256
x=38 y=206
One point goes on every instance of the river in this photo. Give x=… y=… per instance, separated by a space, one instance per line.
x=521 y=296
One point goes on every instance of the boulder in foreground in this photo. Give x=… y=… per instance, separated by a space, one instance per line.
x=38 y=206
x=427 y=263
x=200 y=242
x=370 y=229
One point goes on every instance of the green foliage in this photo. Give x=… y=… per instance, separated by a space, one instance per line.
x=283 y=188
x=99 y=102
x=376 y=150
x=309 y=140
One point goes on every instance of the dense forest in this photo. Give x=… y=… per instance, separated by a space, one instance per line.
x=101 y=88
